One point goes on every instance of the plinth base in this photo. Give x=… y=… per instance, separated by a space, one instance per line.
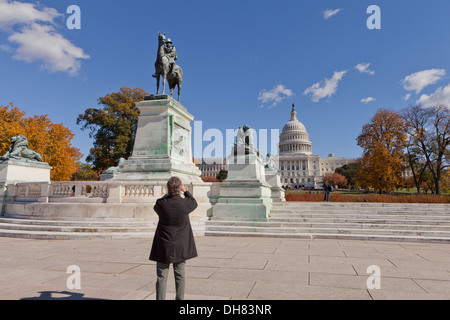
x=12 y=171
x=245 y=195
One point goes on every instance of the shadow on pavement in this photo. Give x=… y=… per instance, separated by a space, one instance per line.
x=60 y=295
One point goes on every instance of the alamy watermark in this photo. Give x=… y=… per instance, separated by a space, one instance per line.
x=74 y=21
x=374 y=281
x=74 y=280
x=374 y=21
x=213 y=143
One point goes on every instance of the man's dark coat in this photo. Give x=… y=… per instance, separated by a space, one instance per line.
x=174 y=239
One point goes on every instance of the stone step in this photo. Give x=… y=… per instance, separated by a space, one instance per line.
x=360 y=211
x=334 y=230
x=45 y=235
x=73 y=218
x=86 y=223
x=362 y=221
x=50 y=229
x=53 y=228
x=331 y=236
x=400 y=219
x=362 y=225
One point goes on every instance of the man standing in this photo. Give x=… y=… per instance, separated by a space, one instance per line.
x=327 y=189
x=174 y=240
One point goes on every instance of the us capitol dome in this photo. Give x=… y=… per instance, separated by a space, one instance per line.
x=299 y=167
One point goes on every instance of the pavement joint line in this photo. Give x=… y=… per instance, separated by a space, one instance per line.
x=370 y=295
x=250 y=291
x=138 y=265
x=354 y=269
x=392 y=262
x=418 y=284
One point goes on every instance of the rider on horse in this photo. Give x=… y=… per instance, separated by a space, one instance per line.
x=170 y=53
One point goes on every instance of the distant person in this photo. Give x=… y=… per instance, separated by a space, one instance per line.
x=327 y=190
x=174 y=240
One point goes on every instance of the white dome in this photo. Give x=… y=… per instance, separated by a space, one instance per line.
x=294 y=137
x=294 y=125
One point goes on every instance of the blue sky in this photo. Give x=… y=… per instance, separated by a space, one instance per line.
x=244 y=62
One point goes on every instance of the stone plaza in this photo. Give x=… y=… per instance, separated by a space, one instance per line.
x=227 y=268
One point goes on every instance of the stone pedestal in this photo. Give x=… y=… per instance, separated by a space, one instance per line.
x=13 y=171
x=162 y=147
x=274 y=180
x=245 y=195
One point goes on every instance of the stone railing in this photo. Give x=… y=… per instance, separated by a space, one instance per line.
x=89 y=192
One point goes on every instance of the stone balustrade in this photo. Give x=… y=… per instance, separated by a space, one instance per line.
x=88 y=191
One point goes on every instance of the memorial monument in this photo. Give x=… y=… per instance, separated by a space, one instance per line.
x=162 y=147
x=273 y=178
x=245 y=194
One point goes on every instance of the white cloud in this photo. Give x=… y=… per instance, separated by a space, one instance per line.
x=364 y=68
x=407 y=96
x=327 y=14
x=34 y=37
x=419 y=80
x=325 y=88
x=440 y=97
x=274 y=96
x=14 y=12
x=42 y=43
x=368 y=99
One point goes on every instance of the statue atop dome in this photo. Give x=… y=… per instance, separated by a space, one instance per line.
x=293 y=113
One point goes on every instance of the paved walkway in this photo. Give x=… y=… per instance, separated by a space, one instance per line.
x=227 y=268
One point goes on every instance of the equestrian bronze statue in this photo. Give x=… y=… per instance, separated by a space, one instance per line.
x=166 y=67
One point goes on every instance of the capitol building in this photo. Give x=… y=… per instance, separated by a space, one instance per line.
x=298 y=166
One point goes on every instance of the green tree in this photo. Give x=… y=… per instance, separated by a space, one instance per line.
x=350 y=172
x=113 y=127
x=85 y=172
x=222 y=175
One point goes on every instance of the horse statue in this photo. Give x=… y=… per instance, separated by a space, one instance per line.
x=174 y=75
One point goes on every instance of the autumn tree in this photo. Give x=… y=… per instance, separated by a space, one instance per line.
x=113 y=127
x=335 y=179
x=52 y=141
x=429 y=131
x=383 y=140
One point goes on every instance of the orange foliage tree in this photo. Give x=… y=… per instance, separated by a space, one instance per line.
x=335 y=179
x=52 y=141
x=383 y=140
